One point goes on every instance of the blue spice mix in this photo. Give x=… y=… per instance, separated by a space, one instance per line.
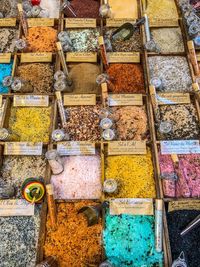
x=5 y=70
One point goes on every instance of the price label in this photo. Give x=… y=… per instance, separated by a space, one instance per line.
x=76 y=148
x=173 y=99
x=16 y=207
x=184 y=205
x=81 y=57
x=80 y=100
x=127 y=147
x=163 y=23
x=124 y=57
x=5 y=57
x=40 y=22
x=125 y=100
x=117 y=22
x=80 y=23
x=31 y=101
x=136 y=206
x=23 y=148
x=180 y=147
x=36 y=57
x=8 y=22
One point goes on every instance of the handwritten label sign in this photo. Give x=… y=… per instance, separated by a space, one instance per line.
x=163 y=22
x=180 y=147
x=80 y=23
x=76 y=148
x=8 y=22
x=117 y=22
x=36 y=57
x=79 y=100
x=125 y=100
x=16 y=207
x=31 y=100
x=172 y=99
x=126 y=147
x=184 y=205
x=5 y=57
x=40 y=22
x=81 y=57
x=127 y=57
x=23 y=148
x=136 y=206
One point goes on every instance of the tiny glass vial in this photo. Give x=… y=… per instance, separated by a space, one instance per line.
x=110 y=186
x=194 y=29
x=35 y=11
x=157 y=83
x=21 y=86
x=165 y=127
x=55 y=161
x=106 y=123
x=7 y=81
x=6 y=191
x=106 y=264
x=59 y=75
x=26 y=6
x=60 y=135
x=20 y=44
x=108 y=134
x=60 y=85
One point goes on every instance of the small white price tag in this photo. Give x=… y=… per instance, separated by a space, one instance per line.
x=31 y=101
x=16 y=207
x=180 y=147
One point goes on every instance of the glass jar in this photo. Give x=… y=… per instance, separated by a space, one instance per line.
x=59 y=75
x=106 y=123
x=108 y=134
x=60 y=135
x=55 y=161
x=110 y=186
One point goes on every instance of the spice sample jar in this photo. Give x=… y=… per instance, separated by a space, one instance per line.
x=130 y=122
x=82 y=243
x=183 y=120
x=41 y=39
x=39 y=75
x=134 y=175
x=83 y=123
x=129 y=240
x=8 y=8
x=82 y=9
x=16 y=169
x=8 y=37
x=86 y=182
x=181 y=180
x=126 y=78
x=130 y=45
x=173 y=71
x=20 y=234
x=31 y=124
x=177 y=221
x=84 y=77
x=170 y=40
x=5 y=70
x=129 y=9
x=84 y=40
x=161 y=9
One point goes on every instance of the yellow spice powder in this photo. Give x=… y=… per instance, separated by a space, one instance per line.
x=161 y=9
x=134 y=174
x=30 y=124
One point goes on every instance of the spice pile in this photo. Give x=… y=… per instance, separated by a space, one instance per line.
x=159 y=9
x=130 y=122
x=83 y=123
x=8 y=37
x=40 y=76
x=173 y=71
x=134 y=174
x=52 y=6
x=41 y=39
x=8 y=8
x=16 y=169
x=81 y=178
x=126 y=78
x=5 y=70
x=129 y=240
x=129 y=9
x=30 y=124
x=83 y=243
x=187 y=171
x=85 y=40
x=184 y=122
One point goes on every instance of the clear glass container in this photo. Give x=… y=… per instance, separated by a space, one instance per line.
x=197 y=41
x=104 y=113
x=60 y=135
x=105 y=11
x=19 y=85
x=110 y=186
x=4 y=134
x=20 y=44
x=60 y=85
x=63 y=37
x=157 y=83
x=59 y=75
x=55 y=161
x=7 y=81
x=44 y=13
x=108 y=134
x=106 y=123
x=102 y=78
x=26 y=6
x=165 y=127
x=35 y=11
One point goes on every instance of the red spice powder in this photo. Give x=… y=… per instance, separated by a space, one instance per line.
x=126 y=78
x=84 y=9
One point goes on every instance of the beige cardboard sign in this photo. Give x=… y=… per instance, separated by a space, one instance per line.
x=124 y=57
x=125 y=100
x=16 y=207
x=36 y=57
x=8 y=22
x=23 y=148
x=163 y=22
x=117 y=22
x=31 y=101
x=127 y=147
x=80 y=23
x=81 y=57
x=76 y=148
x=184 y=205
x=5 y=57
x=173 y=98
x=80 y=100
x=41 y=22
x=136 y=206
